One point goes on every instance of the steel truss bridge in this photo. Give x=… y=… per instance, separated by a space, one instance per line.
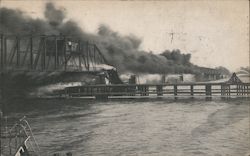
x=48 y=53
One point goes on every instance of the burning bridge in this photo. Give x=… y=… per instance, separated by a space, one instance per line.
x=48 y=53
x=234 y=87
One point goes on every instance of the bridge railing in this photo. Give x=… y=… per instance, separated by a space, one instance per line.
x=185 y=89
x=233 y=87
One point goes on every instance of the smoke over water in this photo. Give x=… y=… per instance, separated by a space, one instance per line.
x=121 y=51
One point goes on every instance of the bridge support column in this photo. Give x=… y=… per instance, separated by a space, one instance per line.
x=192 y=90
x=159 y=90
x=228 y=90
x=240 y=89
x=175 y=92
x=225 y=90
x=208 y=91
x=146 y=90
x=132 y=90
x=140 y=88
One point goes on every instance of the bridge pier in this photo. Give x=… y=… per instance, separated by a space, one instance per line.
x=159 y=90
x=144 y=90
x=175 y=90
x=225 y=90
x=208 y=88
x=192 y=90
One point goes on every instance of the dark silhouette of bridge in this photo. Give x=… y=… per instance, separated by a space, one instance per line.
x=48 y=53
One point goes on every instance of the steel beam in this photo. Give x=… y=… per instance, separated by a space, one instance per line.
x=39 y=54
x=31 y=52
x=18 y=52
x=2 y=50
x=56 y=52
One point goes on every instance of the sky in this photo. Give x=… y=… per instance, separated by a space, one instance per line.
x=216 y=33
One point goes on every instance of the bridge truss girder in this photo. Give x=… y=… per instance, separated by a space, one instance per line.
x=48 y=53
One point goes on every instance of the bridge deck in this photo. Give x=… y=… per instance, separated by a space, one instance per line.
x=144 y=90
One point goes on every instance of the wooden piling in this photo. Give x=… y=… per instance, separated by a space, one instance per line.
x=146 y=90
x=222 y=90
x=192 y=90
x=159 y=89
x=237 y=89
x=175 y=90
x=208 y=90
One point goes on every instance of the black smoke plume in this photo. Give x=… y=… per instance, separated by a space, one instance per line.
x=121 y=51
x=53 y=15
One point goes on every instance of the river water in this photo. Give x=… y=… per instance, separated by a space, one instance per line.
x=139 y=127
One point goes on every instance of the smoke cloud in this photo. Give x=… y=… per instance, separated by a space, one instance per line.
x=53 y=15
x=121 y=51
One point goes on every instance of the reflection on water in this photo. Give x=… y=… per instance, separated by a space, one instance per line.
x=142 y=127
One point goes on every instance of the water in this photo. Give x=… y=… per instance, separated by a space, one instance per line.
x=140 y=127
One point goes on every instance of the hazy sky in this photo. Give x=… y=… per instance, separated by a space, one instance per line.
x=215 y=32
